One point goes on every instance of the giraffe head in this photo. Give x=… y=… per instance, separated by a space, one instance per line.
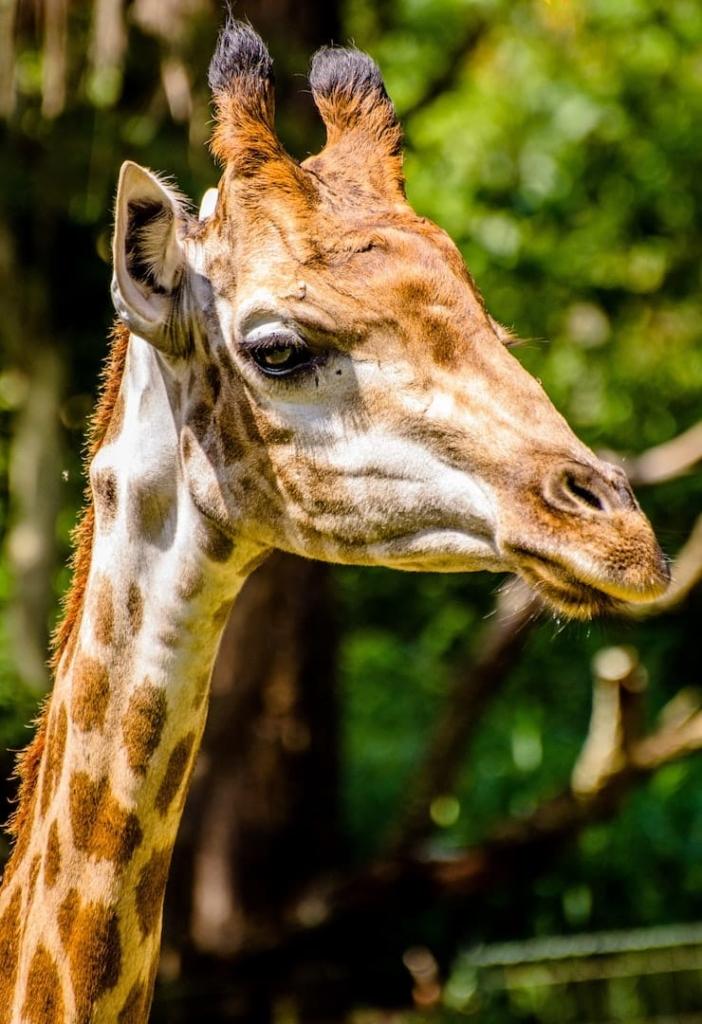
x=344 y=393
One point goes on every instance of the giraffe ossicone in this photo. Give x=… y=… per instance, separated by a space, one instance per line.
x=309 y=367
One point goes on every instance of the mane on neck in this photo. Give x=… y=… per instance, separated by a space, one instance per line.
x=106 y=414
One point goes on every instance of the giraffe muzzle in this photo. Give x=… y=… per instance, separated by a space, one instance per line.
x=586 y=547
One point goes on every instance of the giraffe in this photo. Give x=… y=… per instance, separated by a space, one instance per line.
x=310 y=367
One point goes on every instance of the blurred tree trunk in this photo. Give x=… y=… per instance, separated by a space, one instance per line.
x=34 y=483
x=34 y=457
x=261 y=818
x=268 y=787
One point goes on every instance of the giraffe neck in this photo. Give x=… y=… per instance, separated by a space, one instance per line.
x=81 y=904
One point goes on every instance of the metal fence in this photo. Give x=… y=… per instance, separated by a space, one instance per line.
x=644 y=976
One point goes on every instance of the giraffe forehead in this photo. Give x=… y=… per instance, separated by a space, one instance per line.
x=412 y=305
x=353 y=265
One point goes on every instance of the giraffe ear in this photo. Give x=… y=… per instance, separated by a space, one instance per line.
x=148 y=257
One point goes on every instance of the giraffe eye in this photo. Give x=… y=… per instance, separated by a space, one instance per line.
x=280 y=356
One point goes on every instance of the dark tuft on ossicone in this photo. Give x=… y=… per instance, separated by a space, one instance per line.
x=239 y=51
x=338 y=71
x=350 y=94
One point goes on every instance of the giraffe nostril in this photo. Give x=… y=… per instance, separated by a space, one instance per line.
x=578 y=488
x=582 y=493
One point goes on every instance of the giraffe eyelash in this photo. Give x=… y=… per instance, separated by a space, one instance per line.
x=281 y=354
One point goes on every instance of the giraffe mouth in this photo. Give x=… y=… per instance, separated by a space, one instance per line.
x=561 y=590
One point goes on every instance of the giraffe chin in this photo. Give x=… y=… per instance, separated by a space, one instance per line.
x=570 y=597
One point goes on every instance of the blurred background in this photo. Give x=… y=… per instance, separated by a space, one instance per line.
x=419 y=798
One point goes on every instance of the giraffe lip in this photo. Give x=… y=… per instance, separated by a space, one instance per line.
x=561 y=589
x=571 y=597
x=641 y=583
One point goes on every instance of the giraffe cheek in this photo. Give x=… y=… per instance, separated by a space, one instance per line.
x=209 y=493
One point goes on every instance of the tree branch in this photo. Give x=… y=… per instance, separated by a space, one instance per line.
x=666 y=461
x=615 y=722
x=686 y=573
x=612 y=762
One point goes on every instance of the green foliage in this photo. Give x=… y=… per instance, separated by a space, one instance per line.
x=564 y=159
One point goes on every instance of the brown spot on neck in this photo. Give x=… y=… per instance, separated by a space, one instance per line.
x=70 y=646
x=104 y=612
x=214 y=543
x=94 y=956
x=102 y=827
x=135 y=1007
x=52 y=857
x=90 y=693
x=135 y=608
x=33 y=875
x=199 y=420
x=143 y=723
x=105 y=497
x=214 y=381
x=67 y=913
x=54 y=752
x=186 y=446
x=43 y=1001
x=150 y=889
x=9 y=952
x=175 y=772
x=151 y=512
